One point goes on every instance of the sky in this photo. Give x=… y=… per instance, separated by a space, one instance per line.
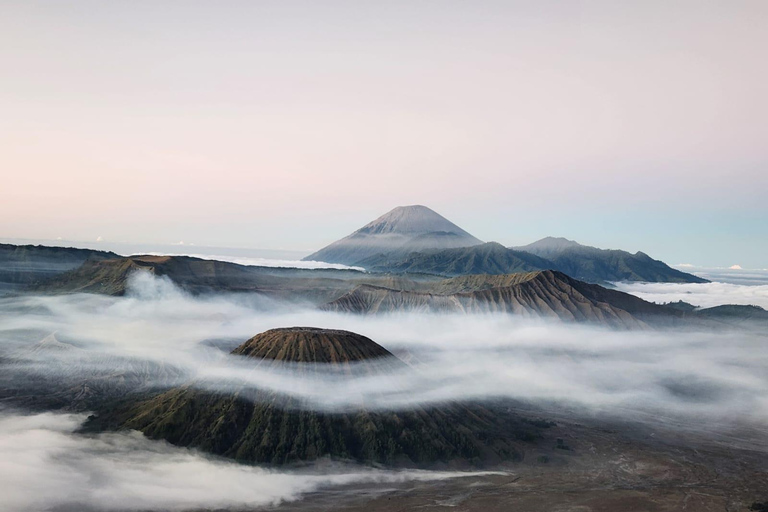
x=287 y=125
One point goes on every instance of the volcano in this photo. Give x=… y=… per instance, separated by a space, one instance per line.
x=541 y=294
x=312 y=345
x=401 y=231
x=266 y=427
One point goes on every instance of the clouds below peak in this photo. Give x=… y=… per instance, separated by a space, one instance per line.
x=705 y=295
x=44 y=465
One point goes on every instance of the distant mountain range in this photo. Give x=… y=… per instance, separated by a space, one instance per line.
x=408 y=240
x=533 y=294
x=414 y=239
x=600 y=265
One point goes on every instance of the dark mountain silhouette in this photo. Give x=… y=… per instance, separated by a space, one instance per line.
x=25 y=265
x=267 y=427
x=605 y=265
x=401 y=231
x=735 y=312
x=549 y=246
x=735 y=315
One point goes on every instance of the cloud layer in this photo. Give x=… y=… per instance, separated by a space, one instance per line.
x=705 y=295
x=722 y=376
x=703 y=381
x=43 y=465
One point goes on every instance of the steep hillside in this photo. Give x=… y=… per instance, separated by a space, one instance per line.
x=264 y=427
x=401 y=231
x=488 y=258
x=311 y=345
x=546 y=294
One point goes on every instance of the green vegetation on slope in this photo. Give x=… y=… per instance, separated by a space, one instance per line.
x=489 y=258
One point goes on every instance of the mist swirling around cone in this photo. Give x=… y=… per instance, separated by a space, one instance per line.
x=311 y=345
x=402 y=230
x=263 y=428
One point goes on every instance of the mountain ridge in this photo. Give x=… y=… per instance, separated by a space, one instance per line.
x=539 y=294
x=311 y=344
x=595 y=265
x=26 y=265
x=589 y=264
x=414 y=239
x=487 y=258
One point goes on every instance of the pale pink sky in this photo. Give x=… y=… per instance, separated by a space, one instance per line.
x=288 y=124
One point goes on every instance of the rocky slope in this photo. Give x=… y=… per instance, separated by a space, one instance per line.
x=401 y=231
x=268 y=428
x=547 y=294
x=415 y=239
x=311 y=345
x=733 y=315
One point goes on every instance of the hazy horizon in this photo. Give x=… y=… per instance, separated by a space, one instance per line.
x=261 y=256
x=288 y=125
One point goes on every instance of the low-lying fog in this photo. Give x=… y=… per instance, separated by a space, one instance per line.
x=704 y=295
x=44 y=465
x=720 y=375
x=712 y=378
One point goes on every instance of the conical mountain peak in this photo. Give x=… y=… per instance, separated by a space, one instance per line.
x=311 y=345
x=414 y=219
x=400 y=231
